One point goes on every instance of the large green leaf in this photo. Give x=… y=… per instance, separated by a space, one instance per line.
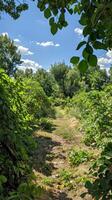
x=99 y=45
x=83 y=66
x=74 y=60
x=92 y=60
x=47 y=13
x=54 y=28
x=80 y=45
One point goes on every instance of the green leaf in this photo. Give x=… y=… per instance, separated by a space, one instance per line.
x=99 y=45
x=89 y=49
x=83 y=19
x=85 y=54
x=47 y=13
x=41 y=6
x=76 y=9
x=92 y=60
x=70 y=10
x=86 y=31
x=65 y=23
x=51 y=21
x=55 y=11
x=3 y=179
x=54 y=28
x=59 y=26
x=80 y=45
x=83 y=66
x=88 y=184
x=74 y=60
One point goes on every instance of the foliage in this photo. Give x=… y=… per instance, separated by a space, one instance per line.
x=45 y=124
x=101 y=188
x=28 y=191
x=65 y=177
x=48 y=181
x=16 y=141
x=37 y=102
x=95 y=78
x=59 y=72
x=94 y=17
x=13 y=7
x=95 y=107
x=72 y=82
x=77 y=157
x=9 y=55
x=46 y=81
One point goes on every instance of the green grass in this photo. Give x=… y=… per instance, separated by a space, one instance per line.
x=66 y=178
x=48 y=181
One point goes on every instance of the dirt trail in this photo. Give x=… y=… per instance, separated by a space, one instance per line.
x=51 y=160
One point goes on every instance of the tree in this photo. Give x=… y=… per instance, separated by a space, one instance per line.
x=95 y=78
x=28 y=72
x=9 y=55
x=72 y=82
x=46 y=81
x=59 y=72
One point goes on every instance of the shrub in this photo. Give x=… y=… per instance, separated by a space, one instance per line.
x=16 y=140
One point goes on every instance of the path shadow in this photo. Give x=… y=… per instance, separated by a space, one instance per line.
x=49 y=129
x=43 y=156
x=59 y=196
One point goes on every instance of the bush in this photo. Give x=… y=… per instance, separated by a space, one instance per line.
x=101 y=188
x=16 y=142
x=37 y=102
x=95 y=108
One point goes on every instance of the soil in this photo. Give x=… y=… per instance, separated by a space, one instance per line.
x=52 y=157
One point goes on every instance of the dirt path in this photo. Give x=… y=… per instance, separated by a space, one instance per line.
x=51 y=163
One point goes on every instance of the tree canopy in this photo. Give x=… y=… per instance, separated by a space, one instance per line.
x=9 y=55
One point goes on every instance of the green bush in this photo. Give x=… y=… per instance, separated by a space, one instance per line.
x=101 y=187
x=16 y=140
x=36 y=100
x=95 y=108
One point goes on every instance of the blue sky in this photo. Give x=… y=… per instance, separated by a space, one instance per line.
x=37 y=45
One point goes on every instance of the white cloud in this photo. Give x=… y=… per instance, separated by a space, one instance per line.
x=5 y=34
x=17 y=40
x=109 y=54
x=103 y=61
x=24 y=50
x=47 y=44
x=78 y=31
x=30 y=64
x=57 y=45
x=106 y=61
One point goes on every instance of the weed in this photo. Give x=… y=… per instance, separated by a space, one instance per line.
x=77 y=157
x=66 y=178
x=47 y=181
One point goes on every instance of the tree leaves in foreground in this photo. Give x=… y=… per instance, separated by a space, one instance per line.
x=95 y=18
